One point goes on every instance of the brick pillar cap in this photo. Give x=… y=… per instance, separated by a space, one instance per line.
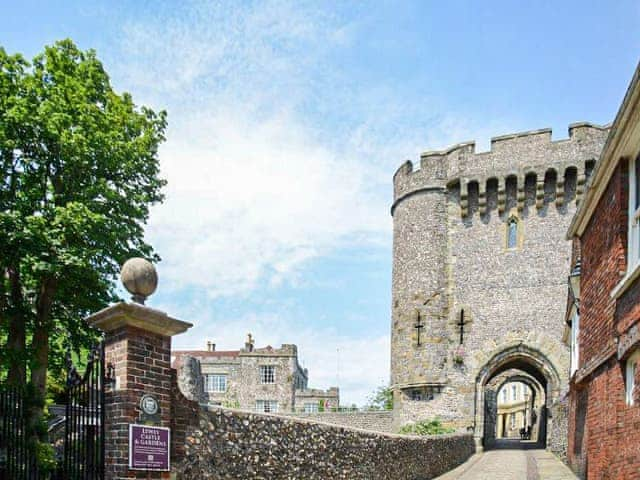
x=135 y=315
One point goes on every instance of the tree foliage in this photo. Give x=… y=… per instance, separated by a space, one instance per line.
x=80 y=170
x=381 y=399
x=426 y=427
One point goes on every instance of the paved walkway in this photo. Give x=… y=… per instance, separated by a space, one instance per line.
x=512 y=462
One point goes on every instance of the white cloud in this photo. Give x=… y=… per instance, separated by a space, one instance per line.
x=264 y=172
x=252 y=201
x=274 y=157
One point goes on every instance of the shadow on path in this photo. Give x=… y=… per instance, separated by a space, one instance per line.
x=515 y=444
x=512 y=460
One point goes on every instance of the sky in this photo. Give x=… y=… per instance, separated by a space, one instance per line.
x=287 y=120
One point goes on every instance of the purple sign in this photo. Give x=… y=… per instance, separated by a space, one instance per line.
x=149 y=448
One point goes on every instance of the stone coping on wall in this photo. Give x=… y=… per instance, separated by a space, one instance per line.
x=125 y=314
x=300 y=417
x=342 y=412
x=374 y=420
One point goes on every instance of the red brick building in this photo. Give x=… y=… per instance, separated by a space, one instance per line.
x=604 y=313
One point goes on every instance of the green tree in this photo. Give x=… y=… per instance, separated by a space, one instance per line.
x=381 y=399
x=80 y=170
x=426 y=427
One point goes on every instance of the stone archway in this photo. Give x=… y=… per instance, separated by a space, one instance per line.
x=534 y=365
x=533 y=412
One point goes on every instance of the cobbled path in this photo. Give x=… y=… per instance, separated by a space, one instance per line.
x=512 y=464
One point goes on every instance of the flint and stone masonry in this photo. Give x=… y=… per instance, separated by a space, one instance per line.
x=226 y=444
x=239 y=382
x=480 y=265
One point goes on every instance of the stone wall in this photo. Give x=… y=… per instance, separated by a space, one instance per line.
x=230 y=444
x=377 y=421
x=322 y=400
x=558 y=428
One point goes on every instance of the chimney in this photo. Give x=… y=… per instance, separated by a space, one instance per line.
x=211 y=347
x=248 y=344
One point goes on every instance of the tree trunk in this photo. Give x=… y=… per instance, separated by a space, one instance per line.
x=16 y=339
x=4 y=296
x=40 y=342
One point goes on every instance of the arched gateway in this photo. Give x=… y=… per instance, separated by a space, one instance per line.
x=479 y=288
x=517 y=364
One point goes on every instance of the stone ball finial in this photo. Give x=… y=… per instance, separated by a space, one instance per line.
x=139 y=277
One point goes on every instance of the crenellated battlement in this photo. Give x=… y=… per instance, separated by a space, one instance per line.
x=523 y=157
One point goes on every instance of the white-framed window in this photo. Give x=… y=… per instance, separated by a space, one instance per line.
x=311 y=407
x=631 y=367
x=512 y=420
x=575 y=345
x=266 y=406
x=504 y=395
x=634 y=215
x=514 y=392
x=267 y=374
x=215 y=383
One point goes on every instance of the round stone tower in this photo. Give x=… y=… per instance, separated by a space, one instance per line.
x=419 y=285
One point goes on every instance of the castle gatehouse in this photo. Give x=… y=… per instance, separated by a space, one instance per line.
x=480 y=264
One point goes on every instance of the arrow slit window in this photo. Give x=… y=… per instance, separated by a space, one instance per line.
x=512 y=233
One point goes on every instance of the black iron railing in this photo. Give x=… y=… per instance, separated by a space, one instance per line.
x=83 y=457
x=81 y=452
x=17 y=451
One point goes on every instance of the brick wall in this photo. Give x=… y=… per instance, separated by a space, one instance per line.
x=603 y=259
x=604 y=432
x=142 y=365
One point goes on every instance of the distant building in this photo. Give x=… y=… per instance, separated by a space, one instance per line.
x=516 y=405
x=262 y=379
x=603 y=313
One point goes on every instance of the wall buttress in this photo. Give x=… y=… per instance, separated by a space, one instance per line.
x=540 y=192
x=464 y=198
x=559 y=191
x=521 y=193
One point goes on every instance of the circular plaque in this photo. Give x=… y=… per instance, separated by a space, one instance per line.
x=149 y=404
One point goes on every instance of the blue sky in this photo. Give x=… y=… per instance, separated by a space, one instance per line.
x=287 y=120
